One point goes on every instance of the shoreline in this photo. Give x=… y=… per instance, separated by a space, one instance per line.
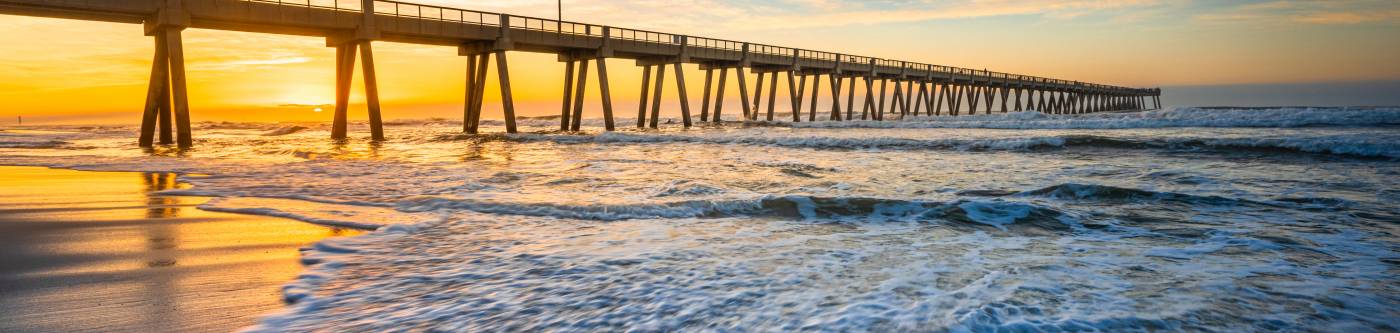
x=98 y=251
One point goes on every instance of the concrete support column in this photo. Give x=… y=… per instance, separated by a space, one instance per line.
x=345 y=72
x=816 y=91
x=955 y=103
x=1040 y=102
x=941 y=95
x=719 y=94
x=682 y=94
x=921 y=99
x=376 y=121
x=167 y=100
x=773 y=95
x=801 y=92
x=476 y=80
x=580 y=90
x=988 y=97
x=908 y=98
x=974 y=94
x=181 y=102
x=605 y=90
x=705 y=98
x=157 y=98
x=1018 y=100
x=743 y=88
x=880 y=111
x=794 y=87
x=851 y=98
x=656 y=95
x=167 y=79
x=1077 y=102
x=507 y=98
x=346 y=53
x=897 y=101
x=642 y=106
x=757 y=96
x=1005 y=92
x=568 y=95
x=835 y=96
x=870 y=98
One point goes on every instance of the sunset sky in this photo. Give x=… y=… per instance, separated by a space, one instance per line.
x=75 y=71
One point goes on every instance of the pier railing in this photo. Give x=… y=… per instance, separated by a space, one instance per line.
x=412 y=17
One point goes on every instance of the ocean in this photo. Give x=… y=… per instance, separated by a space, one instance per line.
x=1191 y=219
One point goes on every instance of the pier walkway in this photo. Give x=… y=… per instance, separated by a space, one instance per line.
x=350 y=26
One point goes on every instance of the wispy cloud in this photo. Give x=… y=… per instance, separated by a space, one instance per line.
x=238 y=64
x=743 y=15
x=1313 y=12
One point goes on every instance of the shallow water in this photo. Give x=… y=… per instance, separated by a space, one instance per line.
x=1183 y=219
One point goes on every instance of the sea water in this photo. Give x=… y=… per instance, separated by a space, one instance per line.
x=1182 y=219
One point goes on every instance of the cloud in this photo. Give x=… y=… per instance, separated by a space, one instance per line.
x=1348 y=17
x=1310 y=12
x=239 y=64
x=748 y=15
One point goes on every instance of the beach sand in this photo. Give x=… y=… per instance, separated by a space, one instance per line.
x=96 y=251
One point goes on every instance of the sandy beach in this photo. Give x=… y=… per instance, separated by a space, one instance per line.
x=97 y=251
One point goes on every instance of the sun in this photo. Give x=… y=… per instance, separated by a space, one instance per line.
x=317 y=110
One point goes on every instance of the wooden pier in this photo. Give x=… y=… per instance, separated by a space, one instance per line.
x=350 y=26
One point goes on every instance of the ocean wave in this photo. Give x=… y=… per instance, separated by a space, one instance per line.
x=1346 y=145
x=273 y=212
x=1166 y=118
x=285 y=130
x=1357 y=145
x=685 y=187
x=346 y=214
x=996 y=213
x=34 y=139
x=796 y=142
x=38 y=143
x=238 y=125
x=1106 y=194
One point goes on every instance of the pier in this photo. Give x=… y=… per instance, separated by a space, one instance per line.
x=890 y=87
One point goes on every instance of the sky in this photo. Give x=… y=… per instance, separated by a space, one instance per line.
x=66 y=71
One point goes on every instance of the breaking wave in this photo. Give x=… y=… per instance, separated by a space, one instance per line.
x=33 y=144
x=1105 y=194
x=284 y=130
x=997 y=213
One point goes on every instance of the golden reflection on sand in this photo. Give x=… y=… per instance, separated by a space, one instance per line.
x=101 y=251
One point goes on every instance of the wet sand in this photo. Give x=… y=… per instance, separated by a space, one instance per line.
x=96 y=251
